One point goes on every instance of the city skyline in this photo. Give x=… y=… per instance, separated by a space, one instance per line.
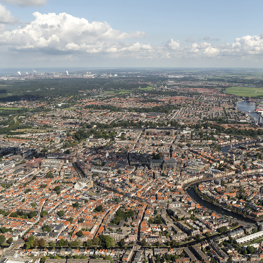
x=116 y=34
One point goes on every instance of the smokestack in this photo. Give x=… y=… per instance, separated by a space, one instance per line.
x=19 y=73
x=67 y=72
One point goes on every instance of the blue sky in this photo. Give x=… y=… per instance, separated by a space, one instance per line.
x=103 y=33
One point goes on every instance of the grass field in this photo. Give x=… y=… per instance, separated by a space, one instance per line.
x=245 y=91
x=147 y=88
x=7 y=108
x=29 y=130
x=123 y=91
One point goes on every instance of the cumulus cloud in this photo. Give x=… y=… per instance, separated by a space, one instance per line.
x=251 y=45
x=243 y=47
x=174 y=45
x=66 y=33
x=55 y=34
x=204 y=49
x=5 y=16
x=26 y=2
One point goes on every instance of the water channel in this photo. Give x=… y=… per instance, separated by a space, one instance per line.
x=217 y=209
x=248 y=107
x=244 y=107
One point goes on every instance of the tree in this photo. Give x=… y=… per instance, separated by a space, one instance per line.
x=10 y=240
x=79 y=233
x=175 y=243
x=30 y=242
x=122 y=243
x=98 y=209
x=222 y=229
x=43 y=213
x=96 y=241
x=2 y=240
x=81 y=220
x=61 y=243
x=207 y=234
x=144 y=243
x=75 y=243
x=57 y=190
x=52 y=244
x=27 y=190
x=106 y=241
x=197 y=237
x=60 y=213
x=49 y=175
x=46 y=228
x=89 y=243
x=32 y=214
x=107 y=258
x=36 y=243
x=43 y=259
x=40 y=242
x=251 y=250
x=76 y=205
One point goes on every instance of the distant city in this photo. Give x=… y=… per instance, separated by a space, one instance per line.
x=131 y=165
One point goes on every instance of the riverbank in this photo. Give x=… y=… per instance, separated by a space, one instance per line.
x=240 y=214
x=249 y=108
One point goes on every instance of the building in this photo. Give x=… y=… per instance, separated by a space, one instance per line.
x=250 y=237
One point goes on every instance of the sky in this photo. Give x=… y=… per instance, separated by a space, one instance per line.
x=122 y=33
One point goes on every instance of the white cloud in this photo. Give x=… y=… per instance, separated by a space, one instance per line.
x=53 y=34
x=174 y=45
x=244 y=47
x=251 y=45
x=6 y=16
x=66 y=33
x=204 y=49
x=26 y=2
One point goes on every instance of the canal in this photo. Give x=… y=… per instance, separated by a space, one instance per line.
x=218 y=210
x=225 y=149
x=247 y=108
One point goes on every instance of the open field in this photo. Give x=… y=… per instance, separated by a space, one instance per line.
x=7 y=108
x=29 y=130
x=123 y=91
x=245 y=91
x=147 y=88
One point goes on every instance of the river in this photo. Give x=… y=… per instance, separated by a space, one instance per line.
x=225 y=149
x=217 y=209
x=245 y=106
